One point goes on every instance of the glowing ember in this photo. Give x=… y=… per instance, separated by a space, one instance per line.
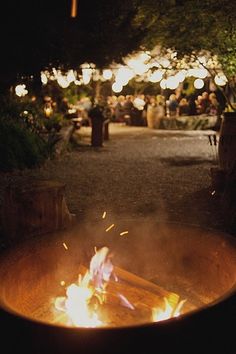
x=104 y=214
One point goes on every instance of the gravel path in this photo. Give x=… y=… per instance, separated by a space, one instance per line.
x=138 y=172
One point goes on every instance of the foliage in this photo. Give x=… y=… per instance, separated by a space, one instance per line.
x=204 y=26
x=188 y=87
x=25 y=110
x=19 y=147
x=138 y=87
x=27 y=137
x=43 y=35
x=53 y=123
x=194 y=26
x=71 y=93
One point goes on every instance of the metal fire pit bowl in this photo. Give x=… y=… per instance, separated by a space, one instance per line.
x=196 y=263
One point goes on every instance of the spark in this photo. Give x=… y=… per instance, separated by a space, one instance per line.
x=124 y=233
x=104 y=214
x=62 y=283
x=65 y=246
x=110 y=227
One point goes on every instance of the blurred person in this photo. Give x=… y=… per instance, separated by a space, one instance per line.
x=98 y=113
x=198 y=103
x=86 y=103
x=183 y=107
x=172 y=111
x=214 y=106
x=112 y=102
x=205 y=103
x=151 y=112
x=139 y=103
x=173 y=106
x=119 y=109
x=192 y=107
x=128 y=109
x=160 y=110
x=144 y=112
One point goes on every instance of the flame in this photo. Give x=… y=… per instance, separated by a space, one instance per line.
x=87 y=299
x=170 y=311
x=80 y=303
x=125 y=302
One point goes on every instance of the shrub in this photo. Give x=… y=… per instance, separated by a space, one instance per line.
x=27 y=137
x=19 y=147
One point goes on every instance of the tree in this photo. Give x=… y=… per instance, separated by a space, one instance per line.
x=194 y=26
x=41 y=34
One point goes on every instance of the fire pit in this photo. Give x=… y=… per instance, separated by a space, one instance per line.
x=168 y=286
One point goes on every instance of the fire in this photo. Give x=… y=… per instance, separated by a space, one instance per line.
x=82 y=299
x=99 y=299
x=170 y=311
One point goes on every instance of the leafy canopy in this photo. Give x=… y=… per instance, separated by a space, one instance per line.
x=192 y=26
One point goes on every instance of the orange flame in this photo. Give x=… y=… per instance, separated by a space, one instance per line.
x=81 y=305
x=170 y=311
x=78 y=301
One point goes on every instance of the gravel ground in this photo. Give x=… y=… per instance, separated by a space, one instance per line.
x=161 y=174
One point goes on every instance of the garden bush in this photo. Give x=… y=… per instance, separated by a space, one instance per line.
x=20 y=147
x=27 y=137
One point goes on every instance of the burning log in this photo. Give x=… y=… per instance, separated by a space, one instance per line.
x=130 y=299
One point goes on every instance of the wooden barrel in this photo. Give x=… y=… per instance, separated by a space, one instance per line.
x=227 y=142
